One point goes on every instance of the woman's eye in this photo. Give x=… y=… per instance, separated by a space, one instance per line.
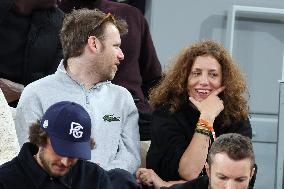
x=213 y=74
x=195 y=73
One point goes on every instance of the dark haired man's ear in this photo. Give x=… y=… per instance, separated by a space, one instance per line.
x=92 y=41
x=252 y=173
x=93 y=143
x=253 y=177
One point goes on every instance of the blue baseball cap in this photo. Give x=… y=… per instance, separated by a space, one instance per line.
x=68 y=126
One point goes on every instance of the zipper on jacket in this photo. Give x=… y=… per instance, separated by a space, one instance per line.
x=87 y=99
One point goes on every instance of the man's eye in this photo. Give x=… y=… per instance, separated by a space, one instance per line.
x=223 y=178
x=240 y=180
x=117 y=46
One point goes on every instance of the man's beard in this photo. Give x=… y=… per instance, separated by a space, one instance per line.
x=46 y=166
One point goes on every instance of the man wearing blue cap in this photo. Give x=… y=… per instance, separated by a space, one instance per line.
x=54 y=157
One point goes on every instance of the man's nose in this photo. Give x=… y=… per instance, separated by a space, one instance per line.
x=120 y=55
x=66 y=161
x=231 y=185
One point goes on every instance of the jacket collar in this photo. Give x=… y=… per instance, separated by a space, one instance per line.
x=61 y=72
x=34 y=171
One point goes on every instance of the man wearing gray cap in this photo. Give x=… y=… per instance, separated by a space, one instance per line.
x=54 y=157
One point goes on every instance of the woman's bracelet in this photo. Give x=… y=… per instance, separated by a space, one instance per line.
x=205 y=124
x=203 y=131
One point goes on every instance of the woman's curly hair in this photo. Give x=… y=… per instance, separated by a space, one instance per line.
x=172 y=90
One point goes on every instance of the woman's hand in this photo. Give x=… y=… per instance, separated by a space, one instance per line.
x=210 y=107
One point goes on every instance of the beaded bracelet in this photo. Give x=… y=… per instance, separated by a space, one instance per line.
x=203 y=131
x=205 y=124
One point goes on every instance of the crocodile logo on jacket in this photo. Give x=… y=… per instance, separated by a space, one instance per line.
x=110 y=118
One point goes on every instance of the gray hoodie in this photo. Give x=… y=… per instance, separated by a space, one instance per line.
x=111 y=107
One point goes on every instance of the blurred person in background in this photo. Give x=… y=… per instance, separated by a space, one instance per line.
x=29 y=43
x=9 y=146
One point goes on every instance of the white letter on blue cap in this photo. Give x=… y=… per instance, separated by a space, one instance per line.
x=45 y=124
x=75 y=130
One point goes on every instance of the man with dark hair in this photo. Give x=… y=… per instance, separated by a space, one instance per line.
x=91 y=47
x=29 y=43
x=230 y=166
x=230 y=162
x=54 y=157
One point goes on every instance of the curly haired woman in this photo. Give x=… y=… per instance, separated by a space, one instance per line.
x=200 y=97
